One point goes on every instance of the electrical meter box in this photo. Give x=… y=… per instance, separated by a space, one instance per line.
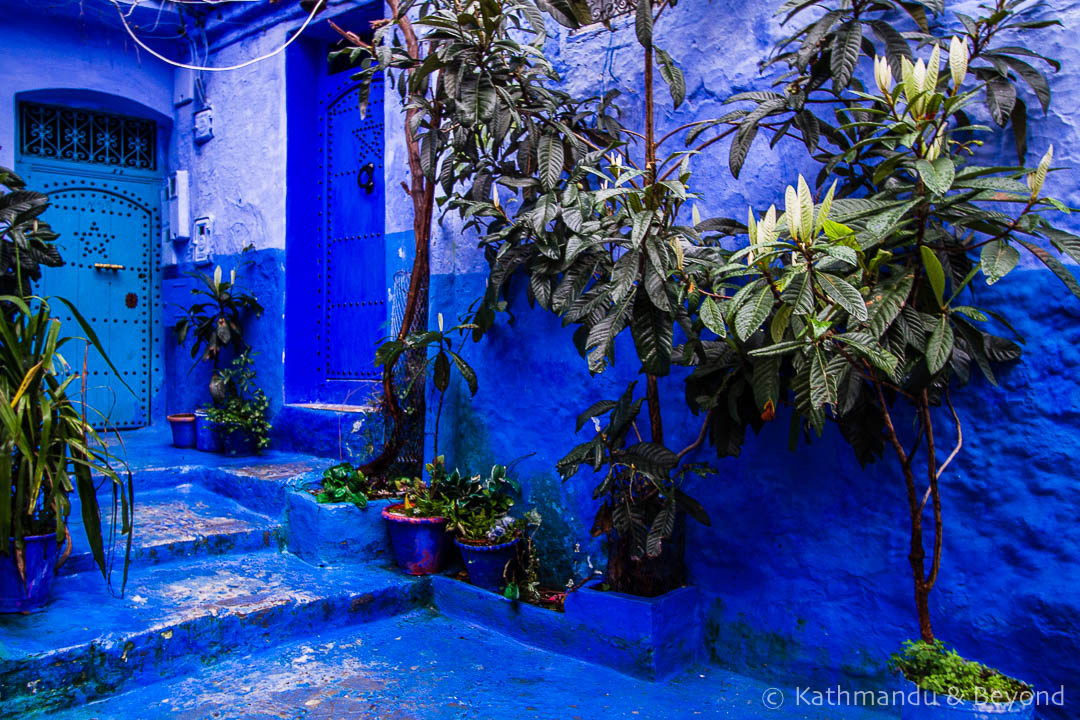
x=178 y=197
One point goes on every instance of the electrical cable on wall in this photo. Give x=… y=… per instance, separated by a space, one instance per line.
x=201 y=68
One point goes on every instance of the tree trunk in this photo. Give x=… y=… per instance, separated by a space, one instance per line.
x=645 y=576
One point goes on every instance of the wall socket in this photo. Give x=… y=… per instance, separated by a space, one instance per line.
x=203 y=121
x=201 y=238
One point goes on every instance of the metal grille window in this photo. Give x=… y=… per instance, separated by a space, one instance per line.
x=86 y=136
x=607 y=9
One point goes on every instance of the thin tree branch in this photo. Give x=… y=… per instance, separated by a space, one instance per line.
x=700 y=438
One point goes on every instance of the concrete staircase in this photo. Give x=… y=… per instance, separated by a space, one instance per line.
x=208 y=578
x=219 y=620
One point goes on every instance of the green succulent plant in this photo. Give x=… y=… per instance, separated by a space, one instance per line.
x=941 y=670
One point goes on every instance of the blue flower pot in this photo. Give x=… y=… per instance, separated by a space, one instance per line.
x=237 y=443
x=919 y=704
x=207 y=437
x=183 y=430
x=487 y=563
x=419 y=543
x=39 y=558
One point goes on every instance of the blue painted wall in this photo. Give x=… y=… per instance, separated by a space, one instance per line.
x=94 y=67
x=804 y=569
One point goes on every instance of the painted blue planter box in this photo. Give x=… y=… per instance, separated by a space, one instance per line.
x=335 y=533
x=927 y=705
x=658 y=636
x=650 y=638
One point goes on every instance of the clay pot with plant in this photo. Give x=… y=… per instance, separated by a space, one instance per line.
x=216 y=322
x=46 y=441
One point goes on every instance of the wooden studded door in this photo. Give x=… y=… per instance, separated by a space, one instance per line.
x=352 y=286
x=99 y=171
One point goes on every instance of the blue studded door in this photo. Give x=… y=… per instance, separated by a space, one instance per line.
x=99 y=171
x=352 y=286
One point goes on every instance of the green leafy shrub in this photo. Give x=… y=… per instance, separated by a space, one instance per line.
x=344 y=483
x=27 y=243
x=425 y=499
x=475 y=504
x=245 y=408
x=48 y=448
x=936 y=668
x=215 y=319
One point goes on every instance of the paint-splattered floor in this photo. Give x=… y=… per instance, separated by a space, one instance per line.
x=424 y=666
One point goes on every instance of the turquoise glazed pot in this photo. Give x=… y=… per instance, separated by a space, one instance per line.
x=486 y=563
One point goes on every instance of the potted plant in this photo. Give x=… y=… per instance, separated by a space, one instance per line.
x=417 y=524
x=478 y=513
x=941 y=684
x=241 y=418
x=216 y=322
x=45 y=439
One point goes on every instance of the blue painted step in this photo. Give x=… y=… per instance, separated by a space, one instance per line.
x=179 y=522
x=422 y=665
x=176 y=617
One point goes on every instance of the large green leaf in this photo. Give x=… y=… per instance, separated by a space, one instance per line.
x=1054 y=264
x=713 y=317
x=934 y=273
x=940 y=345
x=822 y=384
x=466 y=371
x=937 y=176
x=643 y=24
x=845 y=52
x=550 y=156
x=673 y=76
x=652 y=331
x=998 y=259
x=599 y=407
x=886 y=302
x=753 y=312
x=843 y=294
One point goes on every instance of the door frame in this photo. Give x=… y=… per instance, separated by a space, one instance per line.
x=306 y=376
x=25 y=164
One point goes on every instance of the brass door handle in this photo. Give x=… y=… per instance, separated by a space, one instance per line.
x=108 y=266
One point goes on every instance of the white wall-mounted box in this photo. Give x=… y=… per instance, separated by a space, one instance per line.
x=178 y=196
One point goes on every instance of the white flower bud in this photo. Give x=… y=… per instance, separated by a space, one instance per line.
x=883 y=75
x=793 y=212
x=932 y=69
x=958 y=60
x=1036 y=179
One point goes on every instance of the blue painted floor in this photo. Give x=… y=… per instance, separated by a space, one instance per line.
x=424 y=666
x=218 y=621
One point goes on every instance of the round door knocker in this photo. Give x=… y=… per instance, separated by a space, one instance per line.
x=131 y=300
x=369 y=183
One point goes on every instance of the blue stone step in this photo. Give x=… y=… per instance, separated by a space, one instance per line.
x=180 y=522
x=175 y=617
x=422 y=665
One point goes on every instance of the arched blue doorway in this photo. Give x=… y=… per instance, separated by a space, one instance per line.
x=102 y=172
